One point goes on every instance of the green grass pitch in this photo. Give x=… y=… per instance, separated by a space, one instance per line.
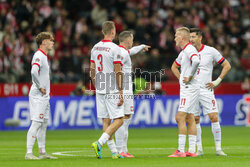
x=150 y=146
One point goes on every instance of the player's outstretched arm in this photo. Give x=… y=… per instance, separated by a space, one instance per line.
x=136 y=49
x=92 y=73
x=175 y=70
x=225 y=69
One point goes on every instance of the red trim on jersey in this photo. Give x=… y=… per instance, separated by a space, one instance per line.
x=124 y=48
x=92 y=61
x=192 y=56
x=186 y=45
x=202 y=47
x=38 y=66
x=221 y=60
x=177 y=63
x=42 y=52
x=118 y=62
x=104 y=40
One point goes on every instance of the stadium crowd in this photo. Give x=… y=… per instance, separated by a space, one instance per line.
x=77 y=24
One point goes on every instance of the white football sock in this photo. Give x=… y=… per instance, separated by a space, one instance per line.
x=192 y=143
x=198 y=137
x=181 y=143
x=31 y=135
x=216 y=129
x=103 y=139
x=125 y=139
x=41 y=136
x=119 y=137
x=111 y=145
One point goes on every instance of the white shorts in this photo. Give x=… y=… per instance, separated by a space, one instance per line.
x=39 y=109
x=107 y=106
x=188 y=99
x=128 y=104
x=207 y=101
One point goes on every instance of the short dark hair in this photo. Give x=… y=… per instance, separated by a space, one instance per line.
x=107 y=26
x=124 y=35
x=196 y=30
x=42 y=36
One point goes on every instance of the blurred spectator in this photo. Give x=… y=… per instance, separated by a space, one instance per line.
x=76 y=25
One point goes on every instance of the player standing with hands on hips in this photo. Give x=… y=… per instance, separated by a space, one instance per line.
x=209 y=55
x=189 y=61
x=39 y=97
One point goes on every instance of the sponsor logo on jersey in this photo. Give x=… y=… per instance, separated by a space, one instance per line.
x=37 y=60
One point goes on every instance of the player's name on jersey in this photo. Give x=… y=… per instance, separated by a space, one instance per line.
x=102 y=49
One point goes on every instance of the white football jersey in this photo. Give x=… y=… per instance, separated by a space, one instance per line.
x=105 y=54
x=208 y=55
x=184 y=60
x=126 y=70
x=40 y=59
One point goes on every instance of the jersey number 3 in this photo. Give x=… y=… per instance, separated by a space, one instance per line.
x=99 y=57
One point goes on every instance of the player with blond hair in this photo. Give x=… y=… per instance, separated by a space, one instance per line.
x=189 y=61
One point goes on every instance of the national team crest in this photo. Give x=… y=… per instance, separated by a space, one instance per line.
x=132 y=108
x=118 y=56
x=41 y=116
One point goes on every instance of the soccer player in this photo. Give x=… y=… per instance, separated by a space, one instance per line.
x=106 y=75
x=126 y=42
x=209 y=55
x=189 y=61
x=39 y=97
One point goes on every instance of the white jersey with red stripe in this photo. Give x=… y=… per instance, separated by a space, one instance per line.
x=105 y=54
x=40 y=59
x=208 y=55
x=184 y=60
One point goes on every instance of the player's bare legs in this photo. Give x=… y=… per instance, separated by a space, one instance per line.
x=114 y=126
x=109 y=129
x=111 y=143
x=182 y=128
x=182 y=119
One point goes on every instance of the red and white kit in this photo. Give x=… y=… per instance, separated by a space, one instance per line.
x=208 y=55
x=127 y=79
x=39 y=103
x=105 y=54
x=188 y=92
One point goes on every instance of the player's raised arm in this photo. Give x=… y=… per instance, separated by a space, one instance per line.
x=136 y=49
